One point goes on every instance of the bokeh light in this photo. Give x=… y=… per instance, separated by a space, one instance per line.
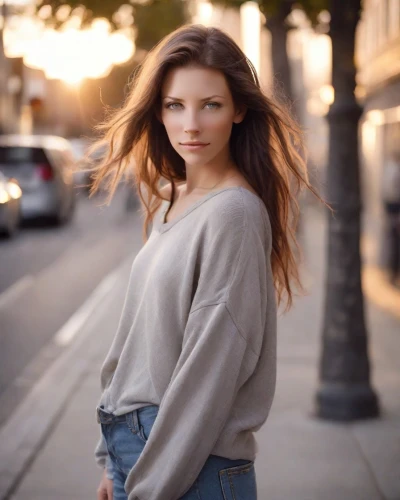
x=70 y=54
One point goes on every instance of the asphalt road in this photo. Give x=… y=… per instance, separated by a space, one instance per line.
x=46 y=274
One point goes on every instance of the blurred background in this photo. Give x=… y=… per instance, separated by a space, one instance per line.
x=65 y=257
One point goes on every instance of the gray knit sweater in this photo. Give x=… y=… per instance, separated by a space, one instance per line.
x=197 y=337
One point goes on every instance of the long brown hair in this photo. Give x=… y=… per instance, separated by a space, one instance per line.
x=266 y=146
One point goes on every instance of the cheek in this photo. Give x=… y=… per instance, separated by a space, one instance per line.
x=171 y=123
x=218 y=123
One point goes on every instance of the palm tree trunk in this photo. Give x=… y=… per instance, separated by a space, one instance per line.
x=345 y=392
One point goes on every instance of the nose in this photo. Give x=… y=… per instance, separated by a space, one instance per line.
x=191 y=131
x=191 y=125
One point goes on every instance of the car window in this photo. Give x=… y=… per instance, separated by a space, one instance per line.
x=21 y=154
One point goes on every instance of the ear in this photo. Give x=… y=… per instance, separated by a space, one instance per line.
x=240 y=113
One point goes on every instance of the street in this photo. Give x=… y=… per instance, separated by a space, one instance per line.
x=46 y=274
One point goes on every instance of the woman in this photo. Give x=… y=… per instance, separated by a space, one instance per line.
x=191 y=373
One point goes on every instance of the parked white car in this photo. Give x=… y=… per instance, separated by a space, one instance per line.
x=43 y=166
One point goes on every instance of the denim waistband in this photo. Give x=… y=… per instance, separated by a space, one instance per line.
x=104 y=417
x=131 y=419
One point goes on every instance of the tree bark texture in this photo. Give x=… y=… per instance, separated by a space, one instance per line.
x=345 y=392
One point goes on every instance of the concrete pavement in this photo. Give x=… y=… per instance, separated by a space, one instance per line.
x=46 y=449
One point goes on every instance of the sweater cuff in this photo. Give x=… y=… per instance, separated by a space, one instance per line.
x=109 y=468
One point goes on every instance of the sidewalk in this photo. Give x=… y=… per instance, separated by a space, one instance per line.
x=300 y=458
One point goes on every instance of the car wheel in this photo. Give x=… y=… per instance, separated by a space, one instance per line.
x=12 y=228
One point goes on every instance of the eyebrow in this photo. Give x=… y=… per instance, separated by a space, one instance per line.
x=205 y=99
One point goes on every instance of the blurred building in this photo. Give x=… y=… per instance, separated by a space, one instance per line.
x=378 y=90
x=378 y=61
x=246 y=26
x=310 y=56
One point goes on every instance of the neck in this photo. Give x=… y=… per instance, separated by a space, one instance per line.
x=201 y=179
x=208 y=183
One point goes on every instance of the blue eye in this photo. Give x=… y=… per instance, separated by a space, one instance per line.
x=172 y=105
x=213 y=105
x=177 y=105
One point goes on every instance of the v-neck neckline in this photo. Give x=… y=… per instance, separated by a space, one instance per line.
x=165 y=226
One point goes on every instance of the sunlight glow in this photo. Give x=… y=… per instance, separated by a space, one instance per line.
x=20 y=32
x=368 y=138
x=317 y=60
x=375 y=117
x=204 y=12
x=327 y=94
x=70 y=54
x=250 y=20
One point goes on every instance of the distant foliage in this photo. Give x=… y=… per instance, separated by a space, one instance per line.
x=153 y=19
x=273 y=7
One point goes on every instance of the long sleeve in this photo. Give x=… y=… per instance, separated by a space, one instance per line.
x=220 y=351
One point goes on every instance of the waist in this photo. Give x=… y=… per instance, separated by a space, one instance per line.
x=105 y=417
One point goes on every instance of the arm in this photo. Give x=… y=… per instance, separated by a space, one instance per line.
x=215 y=361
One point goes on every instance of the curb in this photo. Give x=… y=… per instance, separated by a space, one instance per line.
x=25 y=432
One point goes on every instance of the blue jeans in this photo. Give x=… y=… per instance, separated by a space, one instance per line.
x=219 y=479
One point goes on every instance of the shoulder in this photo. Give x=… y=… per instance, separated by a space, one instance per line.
x=240 y=204
x=238 y=212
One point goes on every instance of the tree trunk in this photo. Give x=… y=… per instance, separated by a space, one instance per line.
x=3 y=70
x=345 y=392
x=276 y=24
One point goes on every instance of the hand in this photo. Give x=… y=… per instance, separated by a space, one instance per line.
x=105 y=489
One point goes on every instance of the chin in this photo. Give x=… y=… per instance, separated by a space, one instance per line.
x=196 y=160
x=196 y=164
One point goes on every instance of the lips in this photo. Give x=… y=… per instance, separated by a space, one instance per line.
x=193 y=143
x=193 y=146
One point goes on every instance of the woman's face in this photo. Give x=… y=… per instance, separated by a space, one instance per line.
x=197 y=107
